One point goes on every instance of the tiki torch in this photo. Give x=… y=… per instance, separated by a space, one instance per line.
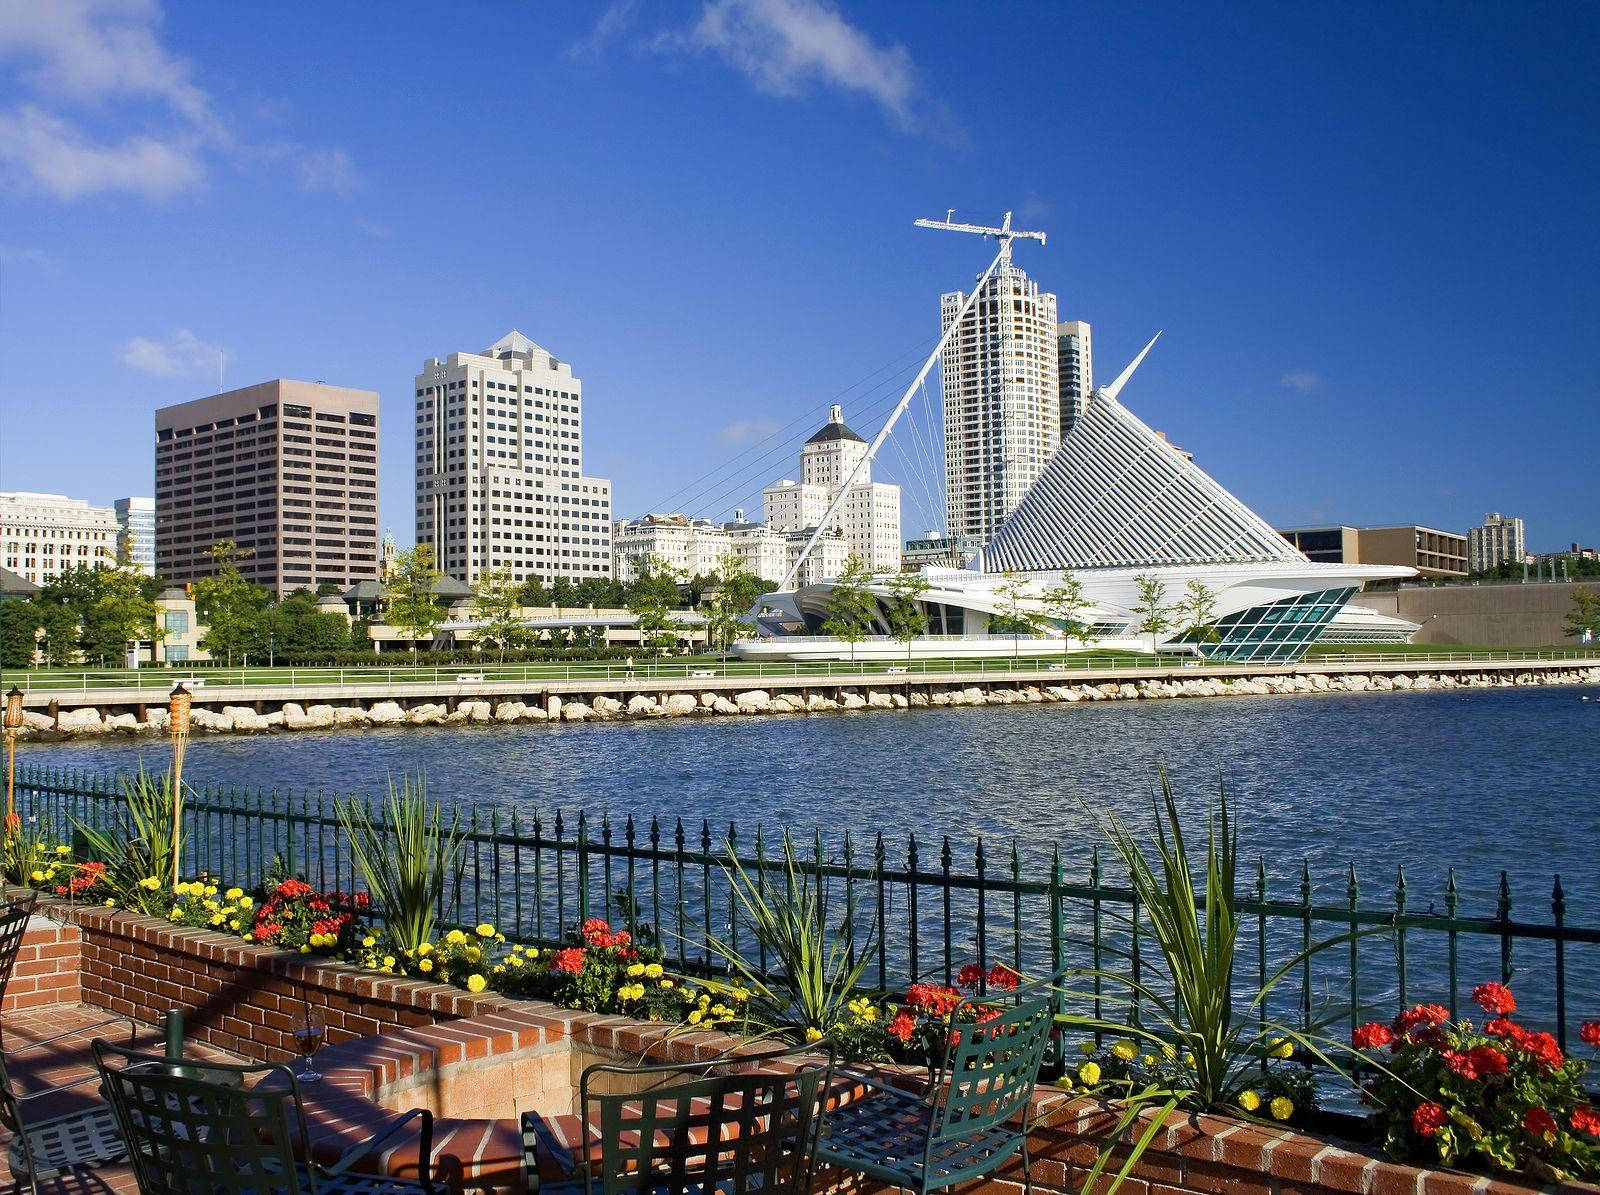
x=13 y=723
x=178 y=702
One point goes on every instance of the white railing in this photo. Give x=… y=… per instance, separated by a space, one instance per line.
x=461 y=677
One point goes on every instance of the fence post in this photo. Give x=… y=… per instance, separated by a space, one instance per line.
x=1558 y=908
x=1503 y=916
x=1400 y=929
x=1452 y=899
x=1351 y=893
x=911 y=904
x=877 y=875
x=583 y=866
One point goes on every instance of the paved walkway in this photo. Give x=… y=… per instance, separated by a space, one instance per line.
x=63 y=1062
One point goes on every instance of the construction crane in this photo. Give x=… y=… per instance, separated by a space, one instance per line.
x=1005 y=234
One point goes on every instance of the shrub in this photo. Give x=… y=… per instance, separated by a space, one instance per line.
x=409 y=860
x=200 y=905
x=1497 y=1093
x=140 y=851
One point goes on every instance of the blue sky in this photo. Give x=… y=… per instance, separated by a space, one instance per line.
x=1370 y=233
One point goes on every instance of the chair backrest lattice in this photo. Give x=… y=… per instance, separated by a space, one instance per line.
x=991 y=1068
x=204 y=1127
x=735 y=1130
x=13 y=926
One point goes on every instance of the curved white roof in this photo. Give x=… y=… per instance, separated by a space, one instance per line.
x=1117 y=495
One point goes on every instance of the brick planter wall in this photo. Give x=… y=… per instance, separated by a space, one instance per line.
x=47 y=966
x=243 y=998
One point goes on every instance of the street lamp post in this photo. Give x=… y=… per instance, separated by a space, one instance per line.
x=178 y=703
x=13 y=723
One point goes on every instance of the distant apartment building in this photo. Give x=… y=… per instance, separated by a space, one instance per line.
x=1501 y=538
x=688 y=547
x=1433 y=553
x=136 y=532
x=44 y=534
x=868 y=520
x=938 y=549
x=500 y=481
x=1000 y=377
x=285 y=469
x=1075 y=365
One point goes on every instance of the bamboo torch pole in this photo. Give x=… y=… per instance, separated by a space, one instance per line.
x=178 y=702
x=13 y=723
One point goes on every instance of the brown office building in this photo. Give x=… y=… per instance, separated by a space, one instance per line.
x=1431 y=552
x=289 y=469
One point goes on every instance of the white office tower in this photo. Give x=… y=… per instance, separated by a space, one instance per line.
x=1075 y=365
x=1002 y=399
x=868 y=521
x=136 y=534
x=500 y=481
x=1501 y=538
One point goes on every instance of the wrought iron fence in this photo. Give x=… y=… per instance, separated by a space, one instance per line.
x=923 y=913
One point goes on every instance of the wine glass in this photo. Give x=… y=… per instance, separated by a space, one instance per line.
x=308 y=1031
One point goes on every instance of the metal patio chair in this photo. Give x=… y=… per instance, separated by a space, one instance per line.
x=960 y=1127
x=723 y=1128
x=210 y=1126
x=62 y=1142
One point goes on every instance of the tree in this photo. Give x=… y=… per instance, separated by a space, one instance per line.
x=60 y=641
x=296 y=625
x=1583 y=623
x=1014 y=617
x=1153 y=613
x=496 y=600
x=852 y=607
x=653 y=617
x=231 y=607
x=1065 y=603
x=1198 y=609
x=119 y=615
x=19 y=633
x=908 y=619
x=653 y=578
x=733 y=591
x=412 y=606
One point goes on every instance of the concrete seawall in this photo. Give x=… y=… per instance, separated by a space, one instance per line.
x=257 y=709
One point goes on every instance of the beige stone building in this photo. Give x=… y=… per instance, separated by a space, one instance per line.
x=44 y=534
x=287 y=469
x=1433 y=553
x=868 y=521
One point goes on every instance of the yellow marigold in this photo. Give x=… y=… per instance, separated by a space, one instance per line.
x=38 y=877
x=455 y=937
x=63 y=850
x=652 y=970
x=813 y=1033
x=110 y=904
x=1282 y=1108
x=425 y=949
x=216 y=919
x=1089 y=1073
x=425 y=965
x=1086 y=1048
x=245 y=902
x=1125 y=1050
x=473 y=954
x=233 y=893
x=388 y=960
x=696 y=1017
x=1250 y=1101
x=485 y=930
x=369 y=941
x=476 y=983
x=1064 y=1082
x=667 y=983
x=150 y=883
x=1281 y=1047
x=514 y=961
x=1147 y=1060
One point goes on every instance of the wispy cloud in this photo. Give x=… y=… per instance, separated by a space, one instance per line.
x=747 y=431
x=112 y=109
x=1301 y=380
x=181 y=355
x=785 y=47
x=615 y=20
x=26 y=255
x=371 y=228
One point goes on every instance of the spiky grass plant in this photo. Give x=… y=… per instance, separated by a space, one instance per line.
x=410 y=858
x=815 y=962
x=142 y=849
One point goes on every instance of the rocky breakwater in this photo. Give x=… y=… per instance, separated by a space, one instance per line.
x=912 y=693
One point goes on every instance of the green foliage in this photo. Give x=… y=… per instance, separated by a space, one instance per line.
x=496 y=599
x=814 y=963
x=852 y=607
x=411 y=603
x=907 y=618
x=1198 y=610
x=734 y=592
x=1153 y=613
x=1583 y=622
x=410 y=859
x=87 y=612
x=24 y=853
x=295 y=625
x=1018 y=615
x=651 y=596
x=232 y=608
x=20 y=621
x=141 y=848
x=1065 y=604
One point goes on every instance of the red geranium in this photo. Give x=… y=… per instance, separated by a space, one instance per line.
x=1590 y=1032
x=568 y=961
x=1539 y=1123
x=1371 y=1036
x=1587 y=1120
x=1503 y=1027
x=1003 y=979
x=902 y=1026
x=1542 y=1046
x=970 y=976
x=1495 y=998
x=1428 y=1119
x=1420 y=1014
x=932 y=999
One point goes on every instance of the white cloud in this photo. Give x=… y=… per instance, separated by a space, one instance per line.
x=747 y=431
x=1300 y=380
x=183 y=354
x=56 y=155
x=112 y=109
x=784 y=46
x=616 y=19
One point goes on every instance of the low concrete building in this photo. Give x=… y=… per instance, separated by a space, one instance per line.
x=1433 y=553
x=181 y=629
x=1506 y=614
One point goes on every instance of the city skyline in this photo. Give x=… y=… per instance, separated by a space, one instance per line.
x=1323 y=277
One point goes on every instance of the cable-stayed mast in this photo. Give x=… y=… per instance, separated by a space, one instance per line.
x=1005 y=234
